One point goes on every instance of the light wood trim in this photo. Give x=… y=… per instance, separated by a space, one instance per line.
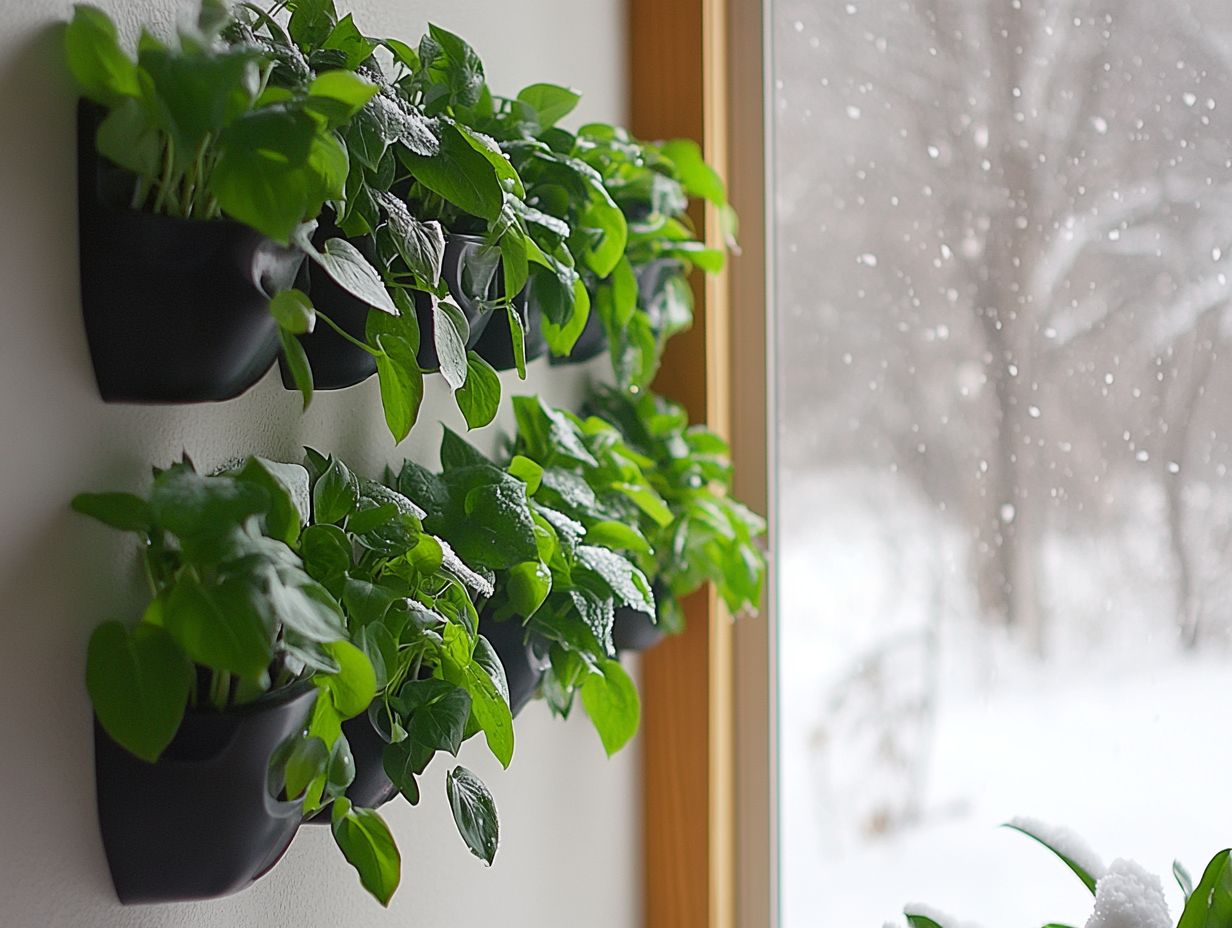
x=754 y=642
x=680 y=87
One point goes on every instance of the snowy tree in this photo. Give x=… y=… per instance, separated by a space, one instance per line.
x=1024 y=211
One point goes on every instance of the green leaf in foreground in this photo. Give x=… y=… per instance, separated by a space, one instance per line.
x=611 y=701
x=479 y=396
x=138 y=680
x=1210 y=905
x=1088 y=879
x=474 y=812
x=124 y=511
x=921 y=921
x=402 y=389
x=297 y=362
x=368 y=846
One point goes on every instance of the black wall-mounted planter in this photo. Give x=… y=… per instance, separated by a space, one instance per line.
x=635 y=631
x=175 y=310
x=336 y=363
x=522 y=671
x=371 y=788
x=201 y=821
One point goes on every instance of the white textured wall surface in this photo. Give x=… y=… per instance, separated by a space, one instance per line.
x=569 y=852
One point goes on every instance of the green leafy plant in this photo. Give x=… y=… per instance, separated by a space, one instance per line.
x=548 y=576
x=711 y=536
x=414 y=178
x=647 y=298
x=408 y=600
x=1124 y=893
x=233 y=614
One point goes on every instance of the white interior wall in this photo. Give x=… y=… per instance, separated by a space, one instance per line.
x=570 y=829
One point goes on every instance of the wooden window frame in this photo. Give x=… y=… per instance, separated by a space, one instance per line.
x=697 y=70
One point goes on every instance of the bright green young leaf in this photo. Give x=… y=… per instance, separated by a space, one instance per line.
x=139 y=681
x=127 y=137
x=526 y=586
x=369 y=847
x=474 y=812
x=297 y=362
x=479 y=396
x=339 y=95
x=550 y=102
x=353 y=687
x=915 y=920
x=101 y=68
x=610 y=699
x=619 y=537
x=397 y=368
x=699 y=178
x=528 y=471
x=293 y=311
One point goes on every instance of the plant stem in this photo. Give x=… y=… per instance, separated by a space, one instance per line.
x=164 y=183
x=347 y=335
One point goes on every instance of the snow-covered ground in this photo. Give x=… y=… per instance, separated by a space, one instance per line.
x=909 y=731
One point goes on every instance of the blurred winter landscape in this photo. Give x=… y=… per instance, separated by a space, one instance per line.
x=1004 y=270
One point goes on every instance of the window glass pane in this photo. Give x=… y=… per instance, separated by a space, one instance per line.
x=1003 y=274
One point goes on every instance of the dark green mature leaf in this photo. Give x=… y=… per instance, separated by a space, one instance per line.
x=548 y=434
x=335 y=495
x=479 y=397
x=550 y=102
x=491 y=151
x=124 y=511
x=402 y=390
x=297 y=361
x=369 y=847
x=347 y=39
x=1210 y=905
x=226 y=626
x=351 y=271
x=921 y=921
x=138 y=680
x=451 y=332
x=311 y=22
x=457 y=452
x=610 y=699
x=627 y=583
x=499 y=530
x=489 y=707
x=434 y=714
x=459 y=174
x=1088 y=879
x=421 y=244
x=326 y=552
x=463 y=67
x=102 y=70
x=474 y=812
